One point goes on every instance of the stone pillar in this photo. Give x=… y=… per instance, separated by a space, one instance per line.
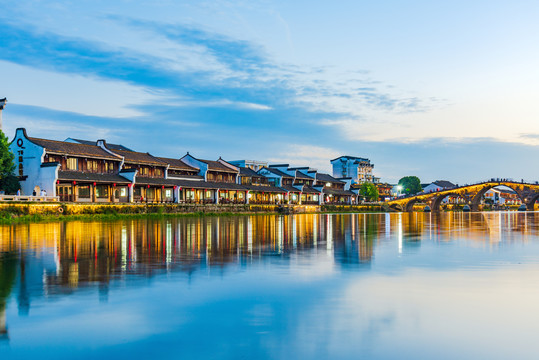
x=177 y=194
x=217 y=196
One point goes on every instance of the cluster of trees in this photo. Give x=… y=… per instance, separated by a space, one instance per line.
x=369 y=191
x=410 y=185
x=9 y=183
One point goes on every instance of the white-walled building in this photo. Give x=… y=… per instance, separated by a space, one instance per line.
x=359 y=169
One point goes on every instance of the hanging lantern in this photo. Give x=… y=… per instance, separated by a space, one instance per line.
x=162 y=187
x=74 y=183
x=95 y=183
x=148 y=186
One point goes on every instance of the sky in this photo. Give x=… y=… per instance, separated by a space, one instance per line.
x=441 y=90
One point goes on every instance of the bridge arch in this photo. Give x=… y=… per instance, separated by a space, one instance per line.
x=437 y=201
x=409 y=207
x=530 y=205
x=477 y=198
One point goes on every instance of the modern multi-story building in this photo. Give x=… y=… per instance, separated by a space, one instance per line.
x=359 y=169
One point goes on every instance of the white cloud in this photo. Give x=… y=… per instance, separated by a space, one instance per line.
x=74 y=93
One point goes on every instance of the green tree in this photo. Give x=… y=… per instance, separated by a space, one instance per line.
x=410 y=185
x=8 y=181
x=369 y=191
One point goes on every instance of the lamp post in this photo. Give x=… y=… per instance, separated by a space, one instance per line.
x=2 y=106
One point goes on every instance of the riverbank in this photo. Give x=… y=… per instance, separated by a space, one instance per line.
x=37 y=212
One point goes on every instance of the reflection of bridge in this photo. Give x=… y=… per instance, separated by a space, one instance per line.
x=472 y=194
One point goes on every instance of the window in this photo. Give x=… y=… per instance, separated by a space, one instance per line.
x=102 y=191
x=84 y=191
x=168 y=193
x=123 y=192
x=92 y=165
x=72 y=164
x=109 y=167
x=158 y=172
x=208 y=194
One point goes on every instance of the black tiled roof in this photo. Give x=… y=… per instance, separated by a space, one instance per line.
x=300 y=175
x=310 y=190
x=338 y=192
x=278 y=172
x=177 y=164
x=444 y=184
x=67 y=148
x=327 y=178
x=244 y=171
x=185 y=177
x=217 y=166
x=290 y=188
x=91 y=177
x=110 y=146
x=134 y=157
x=141 y=180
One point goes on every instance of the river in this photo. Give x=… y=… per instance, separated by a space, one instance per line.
x=309 y=286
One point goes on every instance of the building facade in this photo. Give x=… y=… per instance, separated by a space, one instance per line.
x=359 y=169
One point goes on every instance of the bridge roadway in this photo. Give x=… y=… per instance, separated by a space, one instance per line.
x=472 y=194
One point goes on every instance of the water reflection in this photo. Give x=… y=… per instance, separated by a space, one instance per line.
x=54 y=260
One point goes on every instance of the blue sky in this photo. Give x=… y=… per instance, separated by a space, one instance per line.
x=442 y=90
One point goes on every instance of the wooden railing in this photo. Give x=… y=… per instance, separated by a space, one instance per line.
x=27 y=198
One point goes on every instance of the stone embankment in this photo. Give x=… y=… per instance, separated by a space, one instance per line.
x=37 y=211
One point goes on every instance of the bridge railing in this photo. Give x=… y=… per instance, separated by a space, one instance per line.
x=459 y=186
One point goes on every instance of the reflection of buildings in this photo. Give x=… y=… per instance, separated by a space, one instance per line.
x=58 y=258
x=64 y=256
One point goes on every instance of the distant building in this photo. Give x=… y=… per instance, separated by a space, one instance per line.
x=438 y=185
x=502 y=196
x=359 y=169
x=254 y=165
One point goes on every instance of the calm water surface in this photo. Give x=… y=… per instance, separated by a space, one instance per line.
x=370 y=286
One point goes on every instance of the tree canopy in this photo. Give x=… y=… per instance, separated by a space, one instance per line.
x=369 y=191
x=8 y=181
x=410 y=185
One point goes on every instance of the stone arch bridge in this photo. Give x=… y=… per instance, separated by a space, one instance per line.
x=472 y=194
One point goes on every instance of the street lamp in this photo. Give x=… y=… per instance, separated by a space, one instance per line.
x=2 y=106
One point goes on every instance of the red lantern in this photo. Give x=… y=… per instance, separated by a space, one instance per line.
x=162 y=187
x=114 y=184
x=74 y=183
x=95 y=183
x=148 y=186
x=58 y=181
x=175 y=187
x=128 y=185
